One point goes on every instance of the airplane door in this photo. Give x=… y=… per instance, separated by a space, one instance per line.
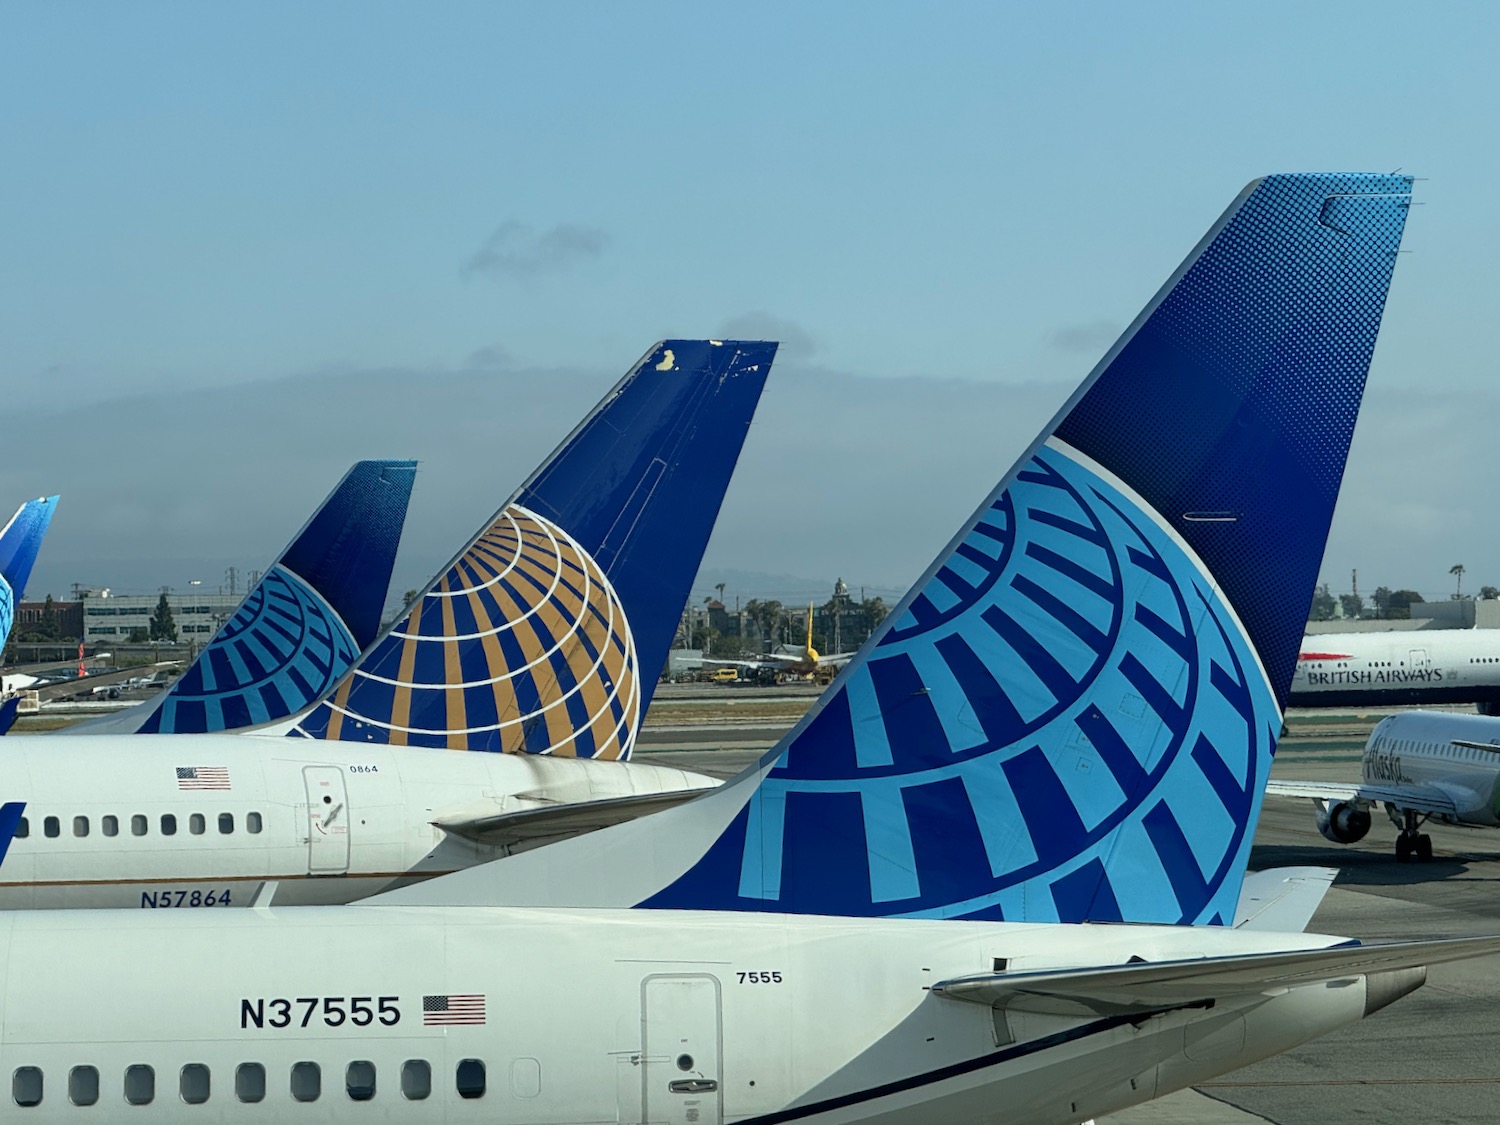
x=327 y=821
x=681 y=1045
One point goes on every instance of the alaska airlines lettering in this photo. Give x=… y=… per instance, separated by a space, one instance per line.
x=1375 y=676
x=1379 y=766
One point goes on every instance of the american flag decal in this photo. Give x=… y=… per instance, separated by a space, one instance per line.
x=454 y=1010
x=202 y=777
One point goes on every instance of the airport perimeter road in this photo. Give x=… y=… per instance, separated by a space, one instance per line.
x=1431 y=1056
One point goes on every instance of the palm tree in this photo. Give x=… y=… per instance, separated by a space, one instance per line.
x=1457 y=570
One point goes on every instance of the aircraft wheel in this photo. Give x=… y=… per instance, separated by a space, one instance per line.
x=1422 y=845
x=1403 y=848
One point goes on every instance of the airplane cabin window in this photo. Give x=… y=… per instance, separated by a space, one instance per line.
x=470 y=1078
x=83 y=1085
x=307 y=1081
x=137 y=825
x=23 y=829
x=140 y=1084
x=52 y=827
x=250 y=1082
x=80 y=826
x=226 y=823
x=192 y=1083
x=196 y=824
x=26 y=1086
x=168 y=824
x=359 y=1081
x=109 y=825
x=252 y=822
x=416 y=1079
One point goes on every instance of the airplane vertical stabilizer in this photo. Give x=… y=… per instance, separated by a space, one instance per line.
x=20 y=540
x=546 y=634
x=1071 y=716
x=300 y=626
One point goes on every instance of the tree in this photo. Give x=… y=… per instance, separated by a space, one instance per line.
x=1353 y=605
x=1401 y=601
x=1323 y=604
x=1457 y=570
x=1489 y=593
x=163 y=628
x=138 y=636
x=1382 y=600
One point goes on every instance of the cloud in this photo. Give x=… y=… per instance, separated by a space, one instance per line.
x=1092 y=336
x=517 y=250
x=796 y=341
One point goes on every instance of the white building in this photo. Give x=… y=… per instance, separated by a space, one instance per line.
x=109 y=619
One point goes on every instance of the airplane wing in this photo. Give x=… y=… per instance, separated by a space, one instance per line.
x=527 y=827
x=1282 y=900
x=837 y=660
x=1148 y=986
x=1422 y=798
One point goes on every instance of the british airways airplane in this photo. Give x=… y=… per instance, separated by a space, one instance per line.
x=540 y=643
x=1400 y=669
x=903 y=912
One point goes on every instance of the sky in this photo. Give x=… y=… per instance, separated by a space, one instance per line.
x=245 y=244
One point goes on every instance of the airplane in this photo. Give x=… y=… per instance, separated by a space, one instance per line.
x=1420 y=765
x=301 y=625
x=1417 y=668
x=20 y=540
x=902 y=913
x=798 y=660
x=541 y=637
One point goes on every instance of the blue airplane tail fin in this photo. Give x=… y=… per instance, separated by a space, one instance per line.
x=547 y=632
x=302 y=625
x=20 y=540
x=1071 y=716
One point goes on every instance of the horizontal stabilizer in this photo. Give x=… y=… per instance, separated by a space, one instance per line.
x=1422 y=798
x=529 y=827
x=1282 y=900
x=1145 y=986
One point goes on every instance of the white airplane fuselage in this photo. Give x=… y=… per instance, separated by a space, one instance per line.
x=625 y=1016
x=1398 y=669
x=200 y=821
x=1426 y=749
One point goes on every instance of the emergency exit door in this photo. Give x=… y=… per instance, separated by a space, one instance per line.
x=327 y=821
x=681 y=1032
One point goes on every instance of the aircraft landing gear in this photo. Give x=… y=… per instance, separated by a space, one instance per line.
x=1411 y=844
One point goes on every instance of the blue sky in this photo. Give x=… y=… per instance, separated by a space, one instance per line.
x=202 y=199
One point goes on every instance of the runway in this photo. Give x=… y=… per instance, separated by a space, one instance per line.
x=1432 y=1056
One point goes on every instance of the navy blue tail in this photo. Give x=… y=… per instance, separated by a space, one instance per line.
x=1072 y=714
x=302 y=625
x=20 y=540
x=547 y=632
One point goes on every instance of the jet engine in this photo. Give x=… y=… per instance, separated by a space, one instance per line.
x=1343 y=822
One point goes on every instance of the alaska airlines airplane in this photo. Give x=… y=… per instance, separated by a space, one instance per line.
x=1421 y=765
x=543 y=637
x=1416 y=668
x=300 y=626
x=1069 y=719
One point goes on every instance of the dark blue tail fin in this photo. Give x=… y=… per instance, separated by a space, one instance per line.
x=1071 y=716
x=301 y=626
x=547 y=632
x=20 y=540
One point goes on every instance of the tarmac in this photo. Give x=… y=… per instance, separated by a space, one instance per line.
x=1433 y=1056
